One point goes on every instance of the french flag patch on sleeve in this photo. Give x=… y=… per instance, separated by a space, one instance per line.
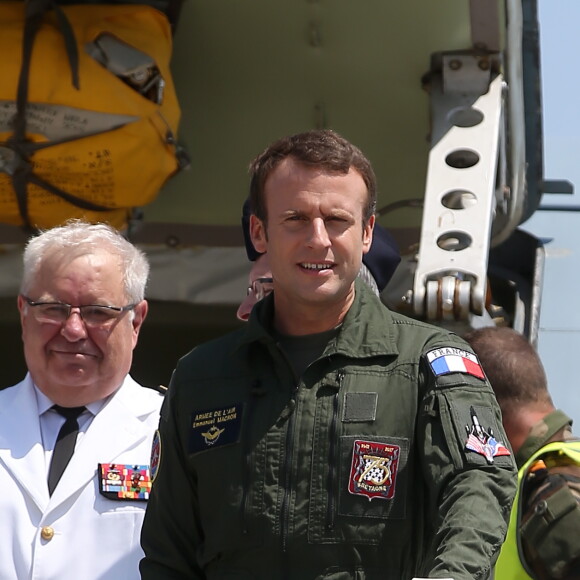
x=449 y=359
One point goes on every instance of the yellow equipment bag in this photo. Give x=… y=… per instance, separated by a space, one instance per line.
x=88 y=111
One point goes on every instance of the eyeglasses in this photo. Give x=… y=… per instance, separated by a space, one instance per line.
x=261 y=287
x=93 y=315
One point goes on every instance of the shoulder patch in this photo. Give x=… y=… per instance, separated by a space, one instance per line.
x=155 y=455
x=449 y=359
x=482 y=441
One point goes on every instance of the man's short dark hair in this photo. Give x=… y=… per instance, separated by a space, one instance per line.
x=512 y=366
x=321 y=148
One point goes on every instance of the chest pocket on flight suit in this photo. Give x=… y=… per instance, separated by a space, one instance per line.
x=360 y=461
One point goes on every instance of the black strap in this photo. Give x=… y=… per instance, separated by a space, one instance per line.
x=65 y=444
x=79 y=202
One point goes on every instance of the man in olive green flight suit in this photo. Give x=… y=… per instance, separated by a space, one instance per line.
x=328 y=438
x=544 y=536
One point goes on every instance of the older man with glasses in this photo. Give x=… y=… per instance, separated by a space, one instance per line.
x=77 y=431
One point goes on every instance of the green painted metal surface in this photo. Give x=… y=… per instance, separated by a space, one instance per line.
x=250 y=72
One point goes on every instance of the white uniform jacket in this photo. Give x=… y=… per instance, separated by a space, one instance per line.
x=77 y=533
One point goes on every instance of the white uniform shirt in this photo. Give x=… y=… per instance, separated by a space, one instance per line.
x=77 y=533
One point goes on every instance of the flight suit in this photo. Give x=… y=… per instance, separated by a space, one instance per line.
x=360 y=468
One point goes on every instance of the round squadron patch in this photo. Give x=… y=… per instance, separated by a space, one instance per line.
x=155 y=455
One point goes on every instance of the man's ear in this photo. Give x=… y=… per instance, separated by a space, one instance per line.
x=21 y=304
x=368 y=234
x=22 y=308
x=258 y=234
x=140 y=313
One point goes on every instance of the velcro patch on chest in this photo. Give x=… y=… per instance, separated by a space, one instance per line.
x=124 y=482
x=215 y=428
x=373 y=471
x=449 y=359
x=359 y=407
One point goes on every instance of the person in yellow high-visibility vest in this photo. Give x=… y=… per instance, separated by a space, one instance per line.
x=543 y=539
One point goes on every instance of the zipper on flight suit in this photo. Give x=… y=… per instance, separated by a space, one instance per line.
x=287 y=478
x=288 y=456
x=332 y=458
x=288 y=413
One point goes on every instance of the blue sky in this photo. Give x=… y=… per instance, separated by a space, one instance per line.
x=559 y=338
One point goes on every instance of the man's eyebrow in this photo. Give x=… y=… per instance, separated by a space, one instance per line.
x=292 y=213
x=334 y=212
x=338 y=212
x=343 y=214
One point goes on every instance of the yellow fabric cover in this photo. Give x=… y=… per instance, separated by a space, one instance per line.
x=124 y=166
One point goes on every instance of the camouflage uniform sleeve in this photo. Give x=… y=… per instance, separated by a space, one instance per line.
x=550 y=519
x=171 y=535
x=467 y=464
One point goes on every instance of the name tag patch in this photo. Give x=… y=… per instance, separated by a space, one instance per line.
x=123 y=482
x=446 y=360
x=373 y=471
x=215 y=427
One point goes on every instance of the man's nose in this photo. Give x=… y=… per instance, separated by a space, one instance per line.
x=73 y=327
x=318 y=234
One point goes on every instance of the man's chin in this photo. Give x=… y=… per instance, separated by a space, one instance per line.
x=331 y=290
x=74 y=374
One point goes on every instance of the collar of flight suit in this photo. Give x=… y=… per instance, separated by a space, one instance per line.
x=368 y=328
